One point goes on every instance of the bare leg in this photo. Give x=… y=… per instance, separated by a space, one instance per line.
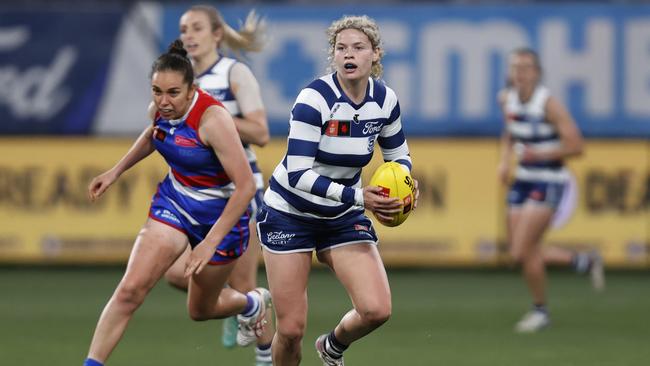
x=558 y=256
x=288 y=275
x=361 y=271
x=527 y=226
x=175 y=275
x=207 y=297
x=156 y=248
x=243 y=277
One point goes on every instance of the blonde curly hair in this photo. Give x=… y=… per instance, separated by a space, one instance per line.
x=361 y=23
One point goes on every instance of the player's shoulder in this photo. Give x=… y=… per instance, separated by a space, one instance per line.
x=382 y=93
x=318 y=91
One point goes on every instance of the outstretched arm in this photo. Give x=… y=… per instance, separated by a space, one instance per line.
x=141 y=148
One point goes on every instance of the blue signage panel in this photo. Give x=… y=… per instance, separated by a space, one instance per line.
x=53 y=68
x=447 y=63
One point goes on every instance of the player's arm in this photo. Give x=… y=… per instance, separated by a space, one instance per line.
x=394 y=147
x=391 y=139
x=571 y=143
x=253 y=128
x=218 y=131
x=141 y=148
x=302 y=146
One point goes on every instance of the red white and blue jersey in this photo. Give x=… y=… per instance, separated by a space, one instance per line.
x=528 y=126
x=195 y=192
x=194 y=169
x=330 y=140
x=216 y=82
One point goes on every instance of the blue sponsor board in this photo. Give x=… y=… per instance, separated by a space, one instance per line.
x=447 y=63
x=53 y=68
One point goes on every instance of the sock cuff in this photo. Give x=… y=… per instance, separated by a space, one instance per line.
x=90 y=362
x=251 y=306
x=335 y=344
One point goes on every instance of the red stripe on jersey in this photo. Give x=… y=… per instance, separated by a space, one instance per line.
x=220 y=179
x=204 y=101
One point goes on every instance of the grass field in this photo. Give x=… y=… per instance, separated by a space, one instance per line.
x=454 y=318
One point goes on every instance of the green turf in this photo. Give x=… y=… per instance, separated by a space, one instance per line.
x=446 y=318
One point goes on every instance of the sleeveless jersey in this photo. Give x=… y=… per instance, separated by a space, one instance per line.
x=194 y=169
x=528 y=126
x=216 y=81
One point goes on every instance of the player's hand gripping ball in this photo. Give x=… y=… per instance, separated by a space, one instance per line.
x=395 y=181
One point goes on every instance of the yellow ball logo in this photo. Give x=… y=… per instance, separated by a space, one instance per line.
x=395 y=181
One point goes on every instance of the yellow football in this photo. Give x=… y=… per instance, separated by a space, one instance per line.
x=395 y=181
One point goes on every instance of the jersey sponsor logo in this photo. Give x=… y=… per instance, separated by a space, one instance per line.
x=337 y=128
x=166 y=214
x=185 y=141
x=159 y=134
x=371 y=128
x=279 y=237
x=355 y=119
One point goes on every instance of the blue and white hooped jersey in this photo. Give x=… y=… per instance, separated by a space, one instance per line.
x=216 y=82
x=528 y=126
x=330 y=139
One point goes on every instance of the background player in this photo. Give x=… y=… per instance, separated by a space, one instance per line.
x=542 y=133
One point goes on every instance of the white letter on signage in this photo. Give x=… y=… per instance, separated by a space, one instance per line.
x=637 y=68
x=592 y=67
x=474 y=44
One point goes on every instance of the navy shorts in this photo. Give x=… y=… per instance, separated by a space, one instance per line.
x=546 y=193
x=280 y=232
x=233 y=245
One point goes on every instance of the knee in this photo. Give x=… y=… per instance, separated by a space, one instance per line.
x=290 y=331
x=376 y=315
x=516 y=256
x=200 y=313
x=130 y=295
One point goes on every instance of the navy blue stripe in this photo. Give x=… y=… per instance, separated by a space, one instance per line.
x=554 y=165
x=255 y=168
x=305 y=206
x=394 y=114
x=320 y=186
x=526 y=118
x=536 y=139
x=294 y=177
x=348 y=181
x=307 y=114
x=323 y=89
x=354 y=161
x=392 y=142
x=379 y=92
x=348 y=195
x=301 y=147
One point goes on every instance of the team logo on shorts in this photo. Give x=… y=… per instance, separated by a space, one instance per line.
x=279 y=237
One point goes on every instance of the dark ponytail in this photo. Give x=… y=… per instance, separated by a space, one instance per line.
x=175 y=59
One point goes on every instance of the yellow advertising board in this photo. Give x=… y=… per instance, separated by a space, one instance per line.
x=460 y=219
